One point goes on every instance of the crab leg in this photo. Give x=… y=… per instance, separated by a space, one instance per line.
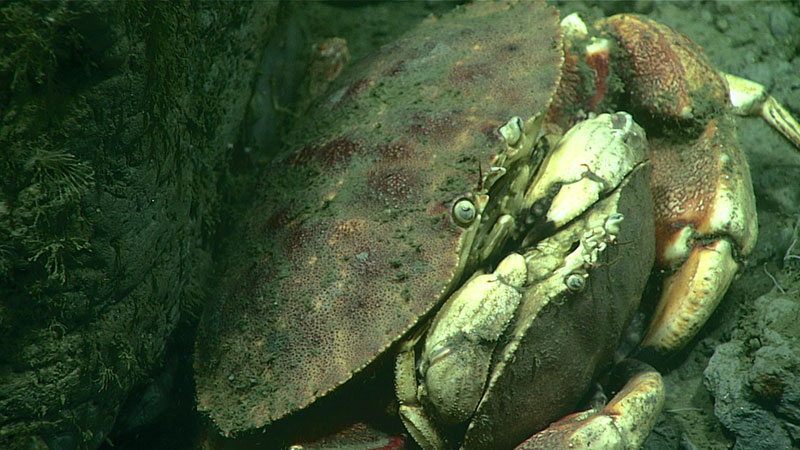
x=749 y=98
x=624 y=423
x=416 y=420
x=704 y=203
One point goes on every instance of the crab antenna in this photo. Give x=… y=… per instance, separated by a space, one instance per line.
x=480 y=176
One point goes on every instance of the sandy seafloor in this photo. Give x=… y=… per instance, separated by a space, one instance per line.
x=756 y=40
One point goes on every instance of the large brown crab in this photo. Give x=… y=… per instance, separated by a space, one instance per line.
x=441 y=158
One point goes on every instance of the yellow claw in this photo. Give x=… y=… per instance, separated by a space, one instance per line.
x=624 y=423
x=690 y=296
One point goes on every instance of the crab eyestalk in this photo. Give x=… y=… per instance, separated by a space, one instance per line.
x=520 y=137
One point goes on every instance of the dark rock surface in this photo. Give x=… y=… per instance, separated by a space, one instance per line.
x=117 y=122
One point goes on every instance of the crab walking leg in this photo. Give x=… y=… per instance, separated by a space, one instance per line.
x=624 y=423
x=414 y=417
x=749 y=98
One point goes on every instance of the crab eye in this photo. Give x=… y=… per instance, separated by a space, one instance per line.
x=464 y=212
x=575 y=282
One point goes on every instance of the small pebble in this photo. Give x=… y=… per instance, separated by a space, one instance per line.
x=779 y=24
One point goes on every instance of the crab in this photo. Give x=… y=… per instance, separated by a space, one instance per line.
x=473 y=201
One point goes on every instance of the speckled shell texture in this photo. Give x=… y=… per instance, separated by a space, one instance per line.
x=351 y=241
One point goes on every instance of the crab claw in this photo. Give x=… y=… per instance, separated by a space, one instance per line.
x=704 y=203
x=705 y=225
x=667 y=75
x=705 y=217
x=704 y=230
x=690 y=296
x=624 y=423
x=670 y=77
x=590 y=160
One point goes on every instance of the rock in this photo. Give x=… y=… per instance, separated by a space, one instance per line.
x=116 y=120
x=755 y=377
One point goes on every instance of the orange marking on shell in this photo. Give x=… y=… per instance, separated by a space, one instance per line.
x=669 y=75
x=569 y=97
x=599 y=61
x=334 y=152
x=684 y=185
